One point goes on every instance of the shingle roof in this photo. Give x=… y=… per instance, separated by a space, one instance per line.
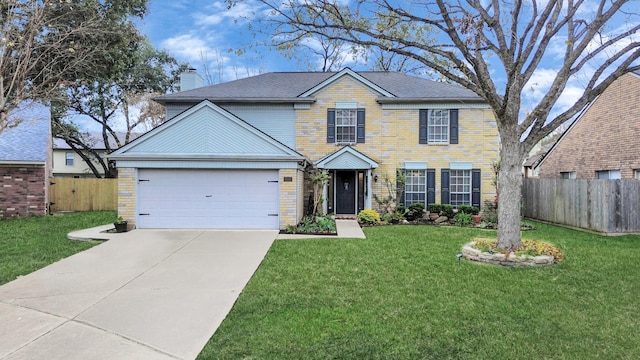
x=29 y=141
x=289 y=85
x=95 y=140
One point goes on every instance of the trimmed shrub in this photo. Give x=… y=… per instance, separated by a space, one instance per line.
x=416 y=210
x=369 y=216
x=435 y=208
x=468 y=209
x=447 y=210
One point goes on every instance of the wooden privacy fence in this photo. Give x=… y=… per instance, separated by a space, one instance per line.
x=609 y=206
x=85 y=194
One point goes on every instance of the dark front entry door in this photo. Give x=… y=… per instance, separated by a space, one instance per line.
x=345 y=192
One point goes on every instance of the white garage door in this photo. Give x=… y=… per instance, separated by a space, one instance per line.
x=225 y=199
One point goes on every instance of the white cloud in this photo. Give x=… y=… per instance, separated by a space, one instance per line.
x=187 y=46
x=218 y=12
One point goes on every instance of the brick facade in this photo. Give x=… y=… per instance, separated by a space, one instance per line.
x=606 y=137
x=290 y=197
x=23 y=191
x=392 y=136
x=391 y=139
x=127 y=195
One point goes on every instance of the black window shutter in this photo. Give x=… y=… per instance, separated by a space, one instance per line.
x=331 y=125
x=400 y=188
x=453 y=126
x=422 y=127
x=431 y=187
x=360 y=126
x=444 y=186
x=476 y=179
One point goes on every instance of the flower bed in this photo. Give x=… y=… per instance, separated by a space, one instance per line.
x=533 y=253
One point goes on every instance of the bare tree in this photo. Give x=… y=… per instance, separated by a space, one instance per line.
x=45 y=44
x=493 y=48
x=315 y=52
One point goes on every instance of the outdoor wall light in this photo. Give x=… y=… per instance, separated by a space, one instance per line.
x=375 y=178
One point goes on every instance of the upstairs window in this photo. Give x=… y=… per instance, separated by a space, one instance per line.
x=568 y=174
x=438 y=126
x=69 y=158
x=345 y=126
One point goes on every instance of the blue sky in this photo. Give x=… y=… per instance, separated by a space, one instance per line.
x=198 y=31
x=193 y=30
x=190 y=29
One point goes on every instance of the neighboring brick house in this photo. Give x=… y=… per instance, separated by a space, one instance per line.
x=238 y=154
x=604 y=142
x=25 y=164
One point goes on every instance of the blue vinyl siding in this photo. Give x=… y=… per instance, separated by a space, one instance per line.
x=277 y=120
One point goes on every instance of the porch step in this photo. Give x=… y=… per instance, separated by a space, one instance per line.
x=346 y=217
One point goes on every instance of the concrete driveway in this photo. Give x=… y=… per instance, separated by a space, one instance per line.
x=145 y=294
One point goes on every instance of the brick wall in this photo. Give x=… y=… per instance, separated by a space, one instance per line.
x=606 y=137
x=289 y=197
x=392 y=136
x=23 y=191
x=127 y=195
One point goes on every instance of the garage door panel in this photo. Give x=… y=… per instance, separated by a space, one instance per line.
x=208 y=198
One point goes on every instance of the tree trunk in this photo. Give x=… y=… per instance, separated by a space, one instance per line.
x=509 y=194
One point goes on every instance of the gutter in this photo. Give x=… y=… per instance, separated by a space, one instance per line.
x=218 y=100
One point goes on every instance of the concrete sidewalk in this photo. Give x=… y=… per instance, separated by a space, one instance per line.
x=345 y=229
x=145 y=294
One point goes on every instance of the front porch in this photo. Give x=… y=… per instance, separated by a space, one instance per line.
x=350 y=185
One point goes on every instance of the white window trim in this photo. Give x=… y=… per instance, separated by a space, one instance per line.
x=431 y=133
x=346 y=105
x=422 y=174
x=69 y=156
x=354 y=126
x=466 y=174
x=415 y=165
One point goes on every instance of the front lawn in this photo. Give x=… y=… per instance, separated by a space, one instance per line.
x=401 y=294
x=28 y=244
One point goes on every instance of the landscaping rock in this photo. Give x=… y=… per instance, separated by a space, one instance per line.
x=441 y=219
x=510 y=259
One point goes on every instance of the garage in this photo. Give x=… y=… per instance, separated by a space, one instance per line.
x=208 y=198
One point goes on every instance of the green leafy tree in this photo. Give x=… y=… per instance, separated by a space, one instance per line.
x=125 y=97
x=47 y=43
x=494 y=48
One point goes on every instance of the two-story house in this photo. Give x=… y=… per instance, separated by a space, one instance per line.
x=238 y=154
x=67 y=163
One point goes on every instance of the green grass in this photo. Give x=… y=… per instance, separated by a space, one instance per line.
x=401 y=294
x=28 y=244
